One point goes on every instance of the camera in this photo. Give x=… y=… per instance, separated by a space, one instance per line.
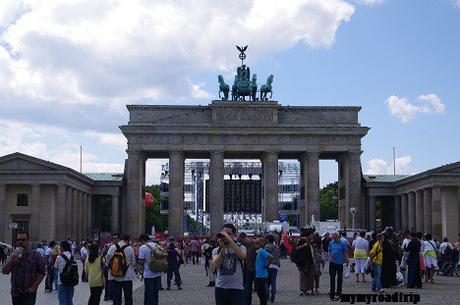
x=220 y=236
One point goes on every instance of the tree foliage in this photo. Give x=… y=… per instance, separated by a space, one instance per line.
x=152 y=213
x=328 y=202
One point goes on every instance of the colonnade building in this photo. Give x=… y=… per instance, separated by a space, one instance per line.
x=427 y=202
x=54 y=202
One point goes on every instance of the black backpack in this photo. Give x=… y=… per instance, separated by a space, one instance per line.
x=69 y=275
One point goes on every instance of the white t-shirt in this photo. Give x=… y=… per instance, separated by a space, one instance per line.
x=405 y=243
x=144 y=253
x=60 y=265
x=130 y=261
x=49 y=254
x=361 y=243
x=229 y=274
x=83 y=253
x=444 y=246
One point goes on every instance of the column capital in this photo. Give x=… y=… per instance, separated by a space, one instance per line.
x=355 y=152
x=176 y=153
x=313 y=152
x=216 y=152
x=270 y=154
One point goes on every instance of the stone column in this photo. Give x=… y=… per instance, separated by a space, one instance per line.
x=419 y=210
x=449 y=212
x=303 y=187
x=176 y=194
x=60 y=209
x=85 y=216
x=354 y=191
x=89 y=200
x=3 y=216
x=436 y=213
x=80 y=215
x=404 y=213
x=135 y=223
x=74 y=216
x=427 y=222
x=372 y=213
x=270 y=209
x=216 y=191
x=397 y=220
x=68 y=212
x=35 y=213
x=411 y=210
x=115 y=214
x=312 y=186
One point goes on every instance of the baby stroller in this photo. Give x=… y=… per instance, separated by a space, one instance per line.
x=448 y=263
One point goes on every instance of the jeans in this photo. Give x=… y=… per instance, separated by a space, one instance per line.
x=272 y=274
x=24 y=299
x=261 y=288
x=49 y=277
x=335 y=270
x=151 y=287
x=197 y=256
x=84 y=277
x=65 y=295
x=117 y=287
x=177 y=279
x=229 y=296
x=108 y=287
x=95 y=295
x=376 y=285
x=248 y=280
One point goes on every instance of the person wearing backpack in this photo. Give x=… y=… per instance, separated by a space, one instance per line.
x=174 y=262
x=227 y=260
x=67 y=274
x=122 y=261
x=95 y=276
x=152 y=279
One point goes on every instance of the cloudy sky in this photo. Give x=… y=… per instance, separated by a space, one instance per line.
x=67 y=68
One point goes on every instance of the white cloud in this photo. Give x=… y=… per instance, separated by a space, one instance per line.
x=34 y=140
x=107 y=138
x=370 y=2
x=86 y=51
x=456 y=3
x=381 y=167
x=406 y=111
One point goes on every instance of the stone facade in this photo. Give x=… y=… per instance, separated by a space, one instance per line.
x=428 y=202
x=50 y=201
x=243 y=130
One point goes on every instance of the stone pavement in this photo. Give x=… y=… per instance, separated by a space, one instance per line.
x=446 y=290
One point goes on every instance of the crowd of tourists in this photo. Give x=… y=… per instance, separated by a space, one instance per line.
x=235 y=264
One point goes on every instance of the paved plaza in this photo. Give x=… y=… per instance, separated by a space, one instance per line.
x=446 y=290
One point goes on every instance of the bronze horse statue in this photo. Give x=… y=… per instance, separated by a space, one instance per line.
x=264 y=89
x=223 y=87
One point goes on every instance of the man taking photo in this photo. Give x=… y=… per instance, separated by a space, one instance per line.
x=228 y=259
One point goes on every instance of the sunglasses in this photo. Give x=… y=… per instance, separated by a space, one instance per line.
x=21 y=239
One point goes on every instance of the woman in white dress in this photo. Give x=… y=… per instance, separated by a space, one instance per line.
x=431 y=259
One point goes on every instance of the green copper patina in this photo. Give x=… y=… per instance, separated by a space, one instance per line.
x=266 y=88
x=223 y=87
x=243 y=86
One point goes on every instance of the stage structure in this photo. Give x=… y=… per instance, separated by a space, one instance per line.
x=259 y=129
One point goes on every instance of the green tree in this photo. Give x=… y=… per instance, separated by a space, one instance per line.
x=152 y=213
x=328 y=202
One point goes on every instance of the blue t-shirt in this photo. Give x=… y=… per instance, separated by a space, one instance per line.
x=261 y=263
x=338 y=249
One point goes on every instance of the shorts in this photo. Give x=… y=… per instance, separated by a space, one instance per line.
x=360 y=265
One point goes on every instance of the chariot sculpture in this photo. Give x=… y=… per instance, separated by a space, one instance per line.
x=243 y=86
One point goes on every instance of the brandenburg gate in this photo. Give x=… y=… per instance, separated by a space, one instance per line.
x=239 y=129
